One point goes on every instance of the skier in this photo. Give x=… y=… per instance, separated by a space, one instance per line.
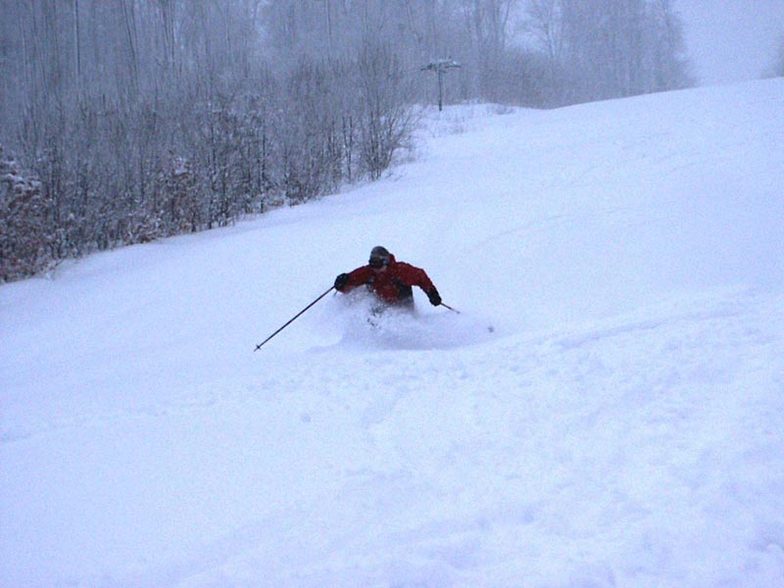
x=390 y=280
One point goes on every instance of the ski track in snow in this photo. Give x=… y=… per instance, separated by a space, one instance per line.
x=555 y=400
x=622 y=423
x=597 y=420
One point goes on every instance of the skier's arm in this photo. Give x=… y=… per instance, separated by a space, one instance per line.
x=416 y=276
x=347 y=282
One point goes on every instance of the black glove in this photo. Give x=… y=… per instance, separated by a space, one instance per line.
x=433 y=295
x=341 y=281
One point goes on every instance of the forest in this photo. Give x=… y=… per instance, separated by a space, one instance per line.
x=125 y=121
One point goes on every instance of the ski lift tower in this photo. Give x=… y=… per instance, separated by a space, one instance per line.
x=440 y=67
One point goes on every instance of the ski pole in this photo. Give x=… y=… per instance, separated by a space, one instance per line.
x=450 y=308
x=295 y=317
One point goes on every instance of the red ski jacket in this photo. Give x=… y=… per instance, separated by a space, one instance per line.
x=392 y=284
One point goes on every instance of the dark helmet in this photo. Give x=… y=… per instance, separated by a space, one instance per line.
x=379 y=256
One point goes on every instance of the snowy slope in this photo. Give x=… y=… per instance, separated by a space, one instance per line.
x=623 y=424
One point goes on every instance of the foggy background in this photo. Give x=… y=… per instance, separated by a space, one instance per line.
x=732 y=40
x=125 y=121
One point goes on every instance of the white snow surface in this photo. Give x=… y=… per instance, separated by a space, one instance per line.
x=621 y=426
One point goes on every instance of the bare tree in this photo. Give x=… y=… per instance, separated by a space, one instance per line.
x=132 y=120
x=607 y=48
x=488 y=24
x=545 y=21
x=386 y=122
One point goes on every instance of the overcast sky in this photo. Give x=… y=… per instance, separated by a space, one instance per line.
x=731 y=40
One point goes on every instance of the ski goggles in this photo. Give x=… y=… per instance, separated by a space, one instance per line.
x=377 y=262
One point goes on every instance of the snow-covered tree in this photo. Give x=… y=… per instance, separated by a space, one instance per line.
x=26 y=230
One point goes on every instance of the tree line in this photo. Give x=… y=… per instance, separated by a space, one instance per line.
x=540 y=53
x=124 y=121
